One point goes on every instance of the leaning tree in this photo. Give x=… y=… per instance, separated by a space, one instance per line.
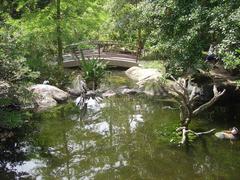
x=185 y=93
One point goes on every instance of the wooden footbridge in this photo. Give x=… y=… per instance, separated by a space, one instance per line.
x=109 y=52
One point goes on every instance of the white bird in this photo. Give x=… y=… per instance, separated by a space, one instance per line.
x=45 y=82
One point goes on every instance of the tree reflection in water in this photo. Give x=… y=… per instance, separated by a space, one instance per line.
x=118 y=142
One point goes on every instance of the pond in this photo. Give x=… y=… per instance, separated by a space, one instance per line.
x=130 y=137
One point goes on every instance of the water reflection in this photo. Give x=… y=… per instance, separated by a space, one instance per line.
x=117 y=142
x=102 y=128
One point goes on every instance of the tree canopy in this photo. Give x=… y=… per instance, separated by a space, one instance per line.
x=177 y=32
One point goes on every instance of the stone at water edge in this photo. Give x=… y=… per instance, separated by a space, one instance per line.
x=109 y=93
x=47 y=96
x=130 y=91
x=51 y=91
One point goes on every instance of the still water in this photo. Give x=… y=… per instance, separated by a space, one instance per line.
x=128 y=138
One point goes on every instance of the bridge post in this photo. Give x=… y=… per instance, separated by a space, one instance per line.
x=99 y=50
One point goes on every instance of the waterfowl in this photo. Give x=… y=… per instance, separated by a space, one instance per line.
x=231 y=134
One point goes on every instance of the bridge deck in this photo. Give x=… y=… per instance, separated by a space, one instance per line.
x=111 y=58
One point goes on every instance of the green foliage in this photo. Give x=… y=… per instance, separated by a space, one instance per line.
x=179 y=31
x=232 y=60
x=15 y=74
x=14 y=69
x=37 y=26
x=34 y=30
x=153 y=64
x=93 y=72
x=57 y=76
x=186 y=29
x=124 y=22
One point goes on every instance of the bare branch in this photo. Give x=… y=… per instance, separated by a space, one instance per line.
x=185 y=132
x=180 y=84
x=215 y=91
x=180 y=129
x=177 y=91
x=202 y=133
x=192 y=95
x=217 y=95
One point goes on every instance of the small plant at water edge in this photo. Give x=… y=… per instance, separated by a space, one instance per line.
x=93 y=72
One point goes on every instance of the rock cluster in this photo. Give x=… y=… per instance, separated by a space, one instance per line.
x=48 y=96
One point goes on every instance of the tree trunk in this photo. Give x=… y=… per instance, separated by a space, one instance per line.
x=59 y=35
x=139 y=43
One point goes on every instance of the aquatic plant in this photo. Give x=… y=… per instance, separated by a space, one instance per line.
x=93 y=72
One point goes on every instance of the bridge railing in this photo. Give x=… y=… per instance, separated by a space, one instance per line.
x=77 y=49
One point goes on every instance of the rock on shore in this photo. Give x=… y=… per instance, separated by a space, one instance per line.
x=47 y=96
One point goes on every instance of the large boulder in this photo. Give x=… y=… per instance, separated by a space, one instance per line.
x=48 y=96
x=143 y=75
x=147 y=79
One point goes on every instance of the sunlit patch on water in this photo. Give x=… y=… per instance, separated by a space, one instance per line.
x=101 y=128
x=27 y=169
x=135 y=120
x=128 y=137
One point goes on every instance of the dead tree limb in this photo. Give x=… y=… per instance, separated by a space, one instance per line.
x=186 y=97
x=202 y=133
x=217 y=95
x=185 y=132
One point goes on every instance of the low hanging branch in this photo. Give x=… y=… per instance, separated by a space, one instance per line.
x=186 y=94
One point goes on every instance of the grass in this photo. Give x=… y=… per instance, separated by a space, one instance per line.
x=156 y=64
